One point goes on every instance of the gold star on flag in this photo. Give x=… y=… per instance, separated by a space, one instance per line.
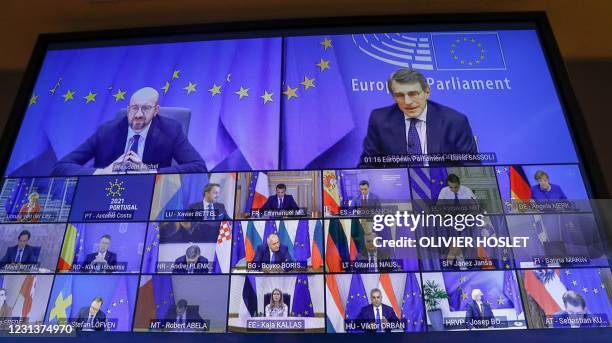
x=574 y=282
x=191 y=87
x=500 y=300
x=166 y=87
x=327 y=43
x=90 y=97
x=33 y=100
x=215 y=89
x=290 y=92
x=307 y=83
x=175 y=74
x=120 y=95
x=69 y=95
x=242 y=92
x=464 y=295
x=323 y=64
x=267 y=97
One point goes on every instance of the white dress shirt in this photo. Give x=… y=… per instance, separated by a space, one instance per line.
x=463 y=193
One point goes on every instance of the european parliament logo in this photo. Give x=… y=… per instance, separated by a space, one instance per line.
x=435 y=51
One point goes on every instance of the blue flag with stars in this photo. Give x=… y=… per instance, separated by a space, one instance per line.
x=591 y=285
x=357 y=297
x=302 y=303
x=412 y=305
x=301 y=246
x=459 y=51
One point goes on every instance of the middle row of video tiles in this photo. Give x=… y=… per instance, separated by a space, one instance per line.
x=294 y=194
x=338 y=245
x=408 y=302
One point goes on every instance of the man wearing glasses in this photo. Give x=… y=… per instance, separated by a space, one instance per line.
x=415 y=125
x=144 y=142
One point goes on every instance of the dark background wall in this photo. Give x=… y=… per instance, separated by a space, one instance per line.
x=582 y=30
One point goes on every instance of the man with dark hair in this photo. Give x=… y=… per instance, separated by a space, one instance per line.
x=576 y=314
x=374 y=255
x=92 y=318
x=213 y=210
x=182 y=313
x=377 y=312
x=22 y=253
x=455 y=190
x=143 y=138
x=365 y=198
x=414 y=124
x=280 y=201
x=103 y=257
x=191 y=263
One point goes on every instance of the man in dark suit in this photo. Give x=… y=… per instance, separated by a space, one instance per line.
x=92 y=318
x=575 y=314
x=378 y=258
x=377 y=312
x=97 y=261
x=365 y=198
x=142 y=142
x=213 y=210
x=478 y=313
x=415 y=125
x=191 y=263
x=22 y=253
x=272 y=252
x=280 y=201
x=181 y=313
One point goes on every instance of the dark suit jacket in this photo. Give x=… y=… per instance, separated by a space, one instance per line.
x=373 y=201
x=99 y=318
x=272 y=203
x=28 y=256
x=110 y=258
x=472 y=312
x=262 y=255
x=165 y=141
x=220 y=212
x=191 y=315
x=183 y=260
x=448 y=131
x=367 y=314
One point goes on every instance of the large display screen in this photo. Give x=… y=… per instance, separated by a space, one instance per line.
x=378 y=180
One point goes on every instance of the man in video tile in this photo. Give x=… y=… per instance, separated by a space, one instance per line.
x=213 y=209
x=280 y=201
x=365 y=198
x=271 y=253
x=191 y=263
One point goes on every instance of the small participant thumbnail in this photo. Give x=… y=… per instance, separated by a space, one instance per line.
x=365 y=192
x=102 y=248
x=542 y=189
x=193 y=197
x=370 y=303
x=23 y=299
x=476 y=300
x=558 y=240
x=121 y=198
x=455 y=189
x=33 y=200
x=30 y=248
x=277 y=246
x=567 y=298
x=188 y=247
x=271 y=303
x=93 y=302
x=365 y=245
x=279 y=194
x=181 y=303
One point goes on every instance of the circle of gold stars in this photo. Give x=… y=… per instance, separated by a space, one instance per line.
x=114 y=188
x=471 y=42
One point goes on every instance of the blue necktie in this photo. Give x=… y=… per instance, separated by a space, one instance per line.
x=211 y=214
x=134 y=146
x=378 y=320
x=280 y=203
x=273 y=257
x=19 y=255
x=457 y=198
x=414 y=142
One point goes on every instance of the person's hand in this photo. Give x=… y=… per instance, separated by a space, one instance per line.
x=109 y=169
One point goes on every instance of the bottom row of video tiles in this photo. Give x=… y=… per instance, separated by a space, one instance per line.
x=370 y=302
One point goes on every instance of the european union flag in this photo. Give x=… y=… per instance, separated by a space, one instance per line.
x=301 y=246
x=119 y=308
x=163 y=294
x=357 y=297
x=412 y=305
x=302 y=303
x=238 y=251
x=464 y=51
